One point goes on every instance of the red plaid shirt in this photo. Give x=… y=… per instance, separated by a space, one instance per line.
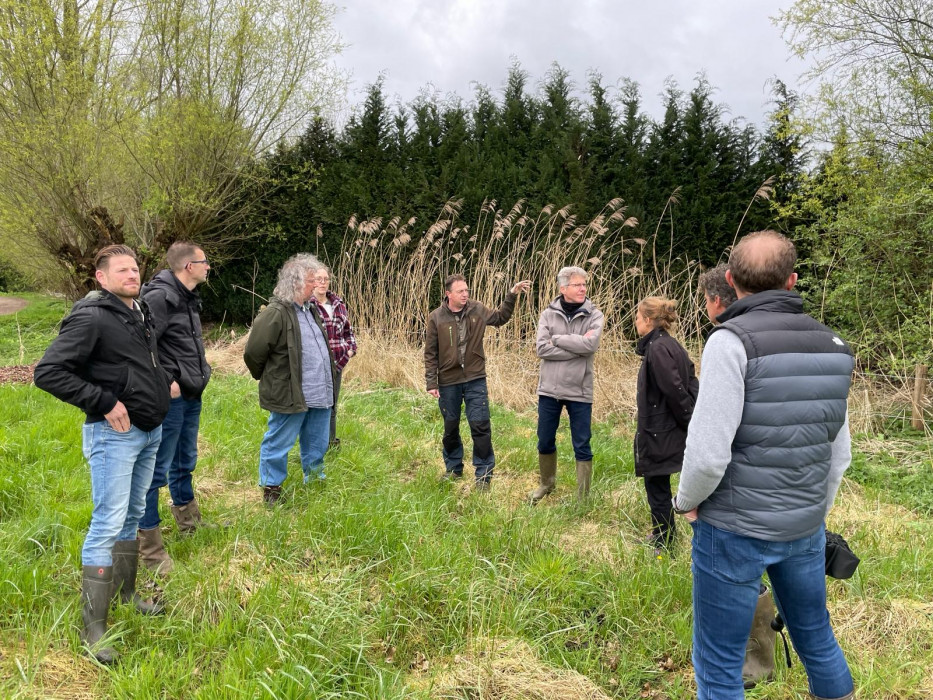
x=340 y=336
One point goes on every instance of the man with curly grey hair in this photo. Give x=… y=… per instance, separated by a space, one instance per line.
x=568 y=336
x=288 y=352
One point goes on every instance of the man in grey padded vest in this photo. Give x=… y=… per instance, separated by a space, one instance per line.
x=766 y=449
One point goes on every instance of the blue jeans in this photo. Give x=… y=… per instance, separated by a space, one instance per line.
x=311 y=428
x=727 y=570
x=121 y=470
x=474 y=395
x=580 y=414
x=176 y=459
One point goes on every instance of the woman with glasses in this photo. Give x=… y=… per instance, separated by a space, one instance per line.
x=339 y=334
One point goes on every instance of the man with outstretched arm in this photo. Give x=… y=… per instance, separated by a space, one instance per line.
x=455 y=372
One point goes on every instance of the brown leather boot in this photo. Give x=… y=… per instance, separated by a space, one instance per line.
x=547 y=476
x=584 y=476
x=271 y=494
x=187 y=517
x=125 y=565
x=759 y=651
x=152 y=552
x=96 y=587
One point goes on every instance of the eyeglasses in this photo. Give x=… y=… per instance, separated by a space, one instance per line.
x=322 y=280
x=577 y=285
x=198 y=262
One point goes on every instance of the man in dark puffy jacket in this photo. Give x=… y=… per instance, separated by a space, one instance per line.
x=174 y=303
x=455 y=372
x=104 y=362
x=766 y=450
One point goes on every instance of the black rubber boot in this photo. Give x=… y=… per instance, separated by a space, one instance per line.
x=96 y=585
x=125 y=563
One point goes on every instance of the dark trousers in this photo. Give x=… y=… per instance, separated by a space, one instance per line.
x=658 y=490
x=580 y=414
x=474 y=396
x=333 y=410
x=175 y=460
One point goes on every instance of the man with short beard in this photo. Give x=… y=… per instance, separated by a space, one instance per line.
x=104 y=361
x=455 y=372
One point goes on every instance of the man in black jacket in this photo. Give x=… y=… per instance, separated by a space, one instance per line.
x=104 y=362
x=174 y=304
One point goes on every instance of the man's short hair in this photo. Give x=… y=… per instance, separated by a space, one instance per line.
x=449 y=282
x=179 y=254
x=763 y=267
x=293 y=274
x=713 y=284
x=565 y=273
x=102 y=259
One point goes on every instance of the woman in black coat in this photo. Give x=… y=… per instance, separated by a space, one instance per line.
x=667 y=391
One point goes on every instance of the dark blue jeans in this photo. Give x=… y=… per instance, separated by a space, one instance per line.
x=176 y=459
x=473 y=394
x=549 y=410
x=727 y=569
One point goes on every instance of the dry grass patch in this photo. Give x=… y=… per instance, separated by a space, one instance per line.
x=243 y=572
x=61 y=675
x=594 y=541
x=871 y=629
x=888 y=523
x=226 y=356
x=505 y=670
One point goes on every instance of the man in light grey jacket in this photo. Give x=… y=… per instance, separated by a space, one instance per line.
x=568 y=336
x=766 y=449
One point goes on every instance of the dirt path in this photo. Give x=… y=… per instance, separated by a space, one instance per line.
x=10 y=305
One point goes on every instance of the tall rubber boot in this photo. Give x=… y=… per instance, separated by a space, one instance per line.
x=547 y=476
x=96 y=585
x=125 y=562
x=759 y=651
x=152 y=552
x=584 y=476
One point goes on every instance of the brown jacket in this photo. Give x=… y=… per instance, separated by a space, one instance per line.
x=446 y=361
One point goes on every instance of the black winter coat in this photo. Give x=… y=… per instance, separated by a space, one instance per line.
x=667 y=393
x=177 y=324
x=106 y=352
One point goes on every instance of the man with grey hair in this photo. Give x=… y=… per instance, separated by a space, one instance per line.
x=718 y=294
x=568 y=337
x=455 y=372
x=288 y=352
x=767 y=446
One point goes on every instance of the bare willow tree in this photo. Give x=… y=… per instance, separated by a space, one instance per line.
x=124 y=121
x=874 y=63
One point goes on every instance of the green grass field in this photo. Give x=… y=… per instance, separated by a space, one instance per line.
x=384 y=583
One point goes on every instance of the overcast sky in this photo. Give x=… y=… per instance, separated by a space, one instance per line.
x=454 y=44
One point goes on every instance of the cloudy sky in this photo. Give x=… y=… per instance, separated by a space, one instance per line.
x=454 y=44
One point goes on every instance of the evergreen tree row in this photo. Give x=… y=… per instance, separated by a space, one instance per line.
x=693 y=173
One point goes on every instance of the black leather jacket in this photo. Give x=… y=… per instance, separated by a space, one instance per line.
x=106 y=352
